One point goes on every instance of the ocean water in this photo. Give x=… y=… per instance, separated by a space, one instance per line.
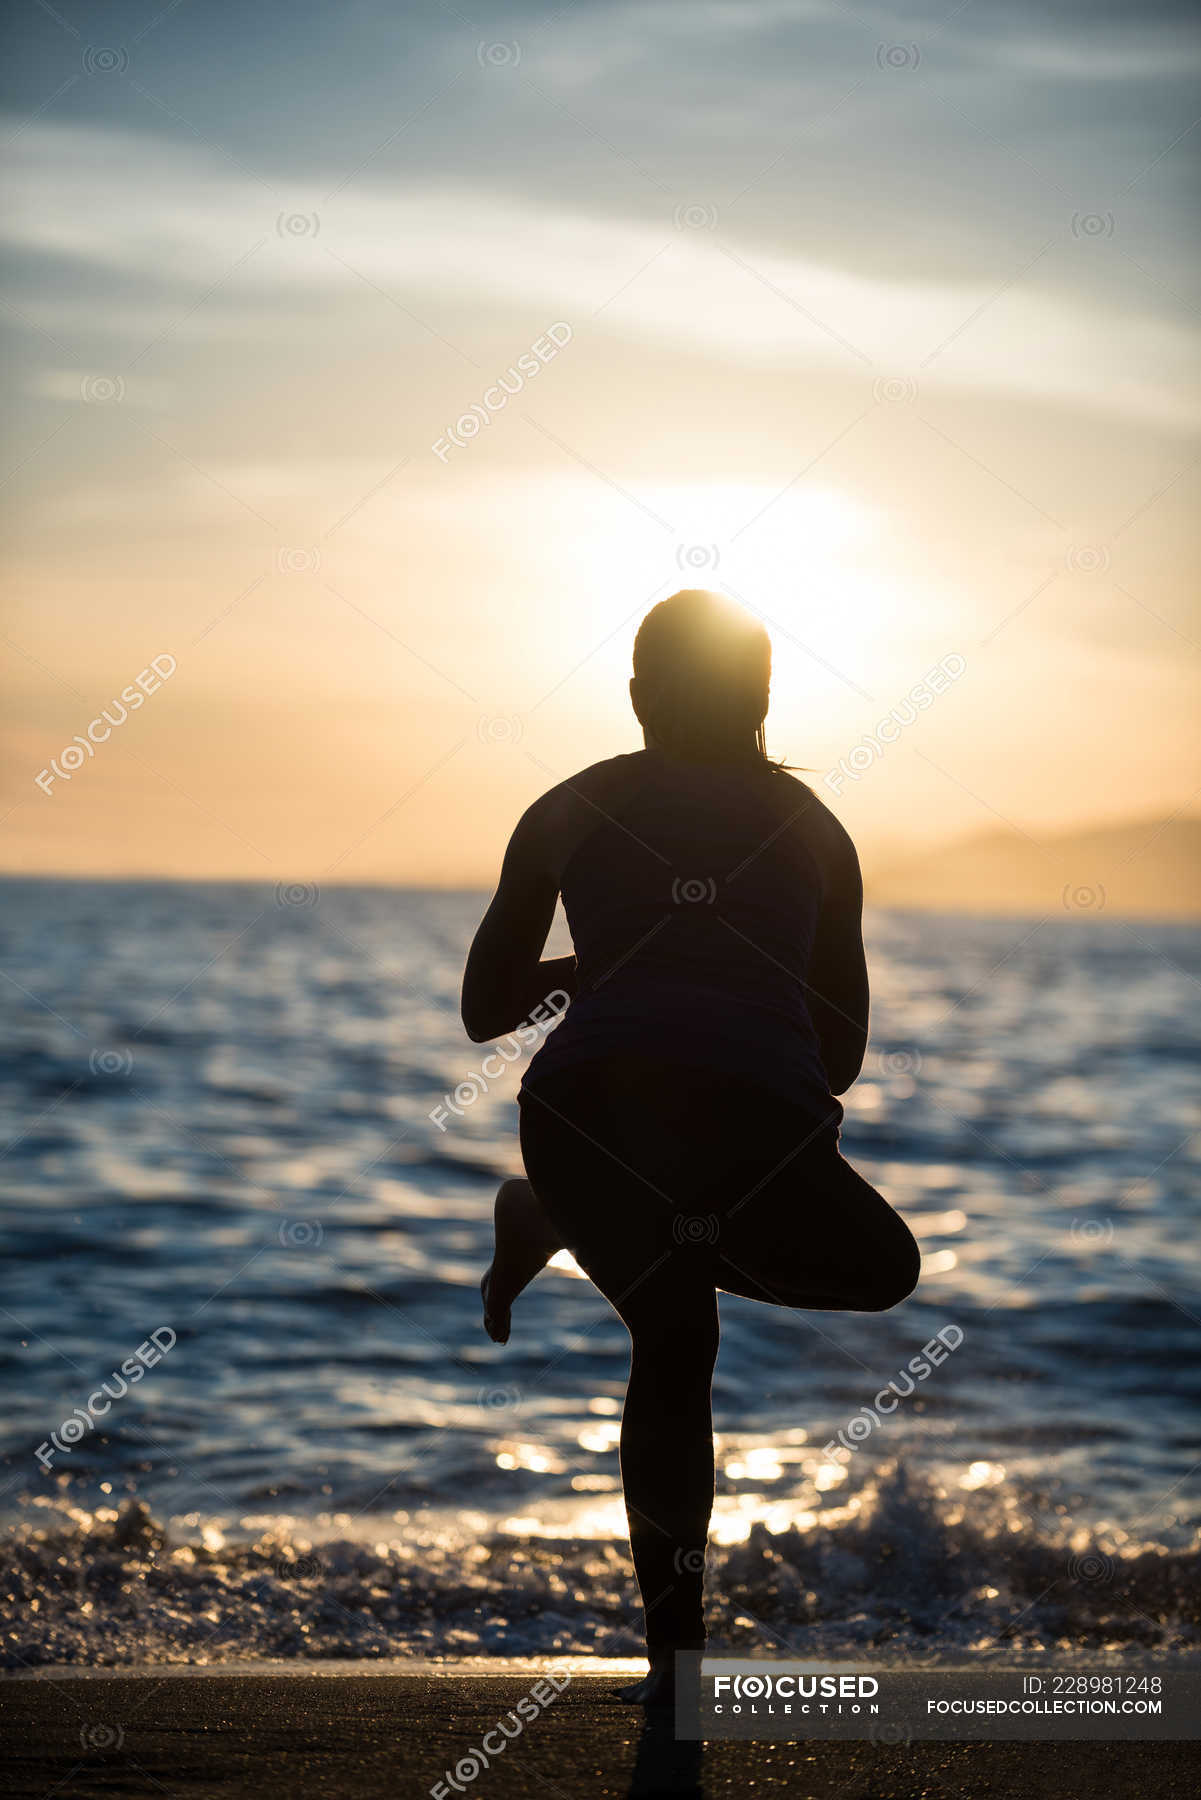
x=216 y=1130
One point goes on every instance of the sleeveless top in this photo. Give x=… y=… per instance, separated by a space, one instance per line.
x=693 y=910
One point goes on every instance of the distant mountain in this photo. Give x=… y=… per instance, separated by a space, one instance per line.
x=1150 y=869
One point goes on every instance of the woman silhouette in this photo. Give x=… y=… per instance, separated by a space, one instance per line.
x=679 y=1127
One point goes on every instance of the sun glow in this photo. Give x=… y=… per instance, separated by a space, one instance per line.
x=808 y=560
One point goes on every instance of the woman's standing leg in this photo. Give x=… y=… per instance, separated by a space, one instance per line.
x=617 y=1223
x=667 y=1457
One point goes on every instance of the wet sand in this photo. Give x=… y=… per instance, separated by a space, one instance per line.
x=297 y=1735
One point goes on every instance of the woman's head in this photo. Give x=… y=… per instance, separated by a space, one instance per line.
x=702 y=669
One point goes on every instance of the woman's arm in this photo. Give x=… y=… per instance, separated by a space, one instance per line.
x=505 y=978
x=837 y=990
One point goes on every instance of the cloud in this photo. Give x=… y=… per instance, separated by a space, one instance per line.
x=217 y=249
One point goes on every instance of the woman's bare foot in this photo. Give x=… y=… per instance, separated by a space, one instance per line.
x=525 y=1243
x=657 y=1690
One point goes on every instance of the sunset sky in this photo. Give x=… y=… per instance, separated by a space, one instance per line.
x=883 y=320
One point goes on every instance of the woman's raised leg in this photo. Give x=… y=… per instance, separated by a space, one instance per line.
x=525 y=1242
x=810 y=1232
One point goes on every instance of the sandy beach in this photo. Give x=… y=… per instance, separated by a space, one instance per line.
x=349 y=1736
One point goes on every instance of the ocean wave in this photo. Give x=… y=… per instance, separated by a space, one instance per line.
x=901 y=1574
